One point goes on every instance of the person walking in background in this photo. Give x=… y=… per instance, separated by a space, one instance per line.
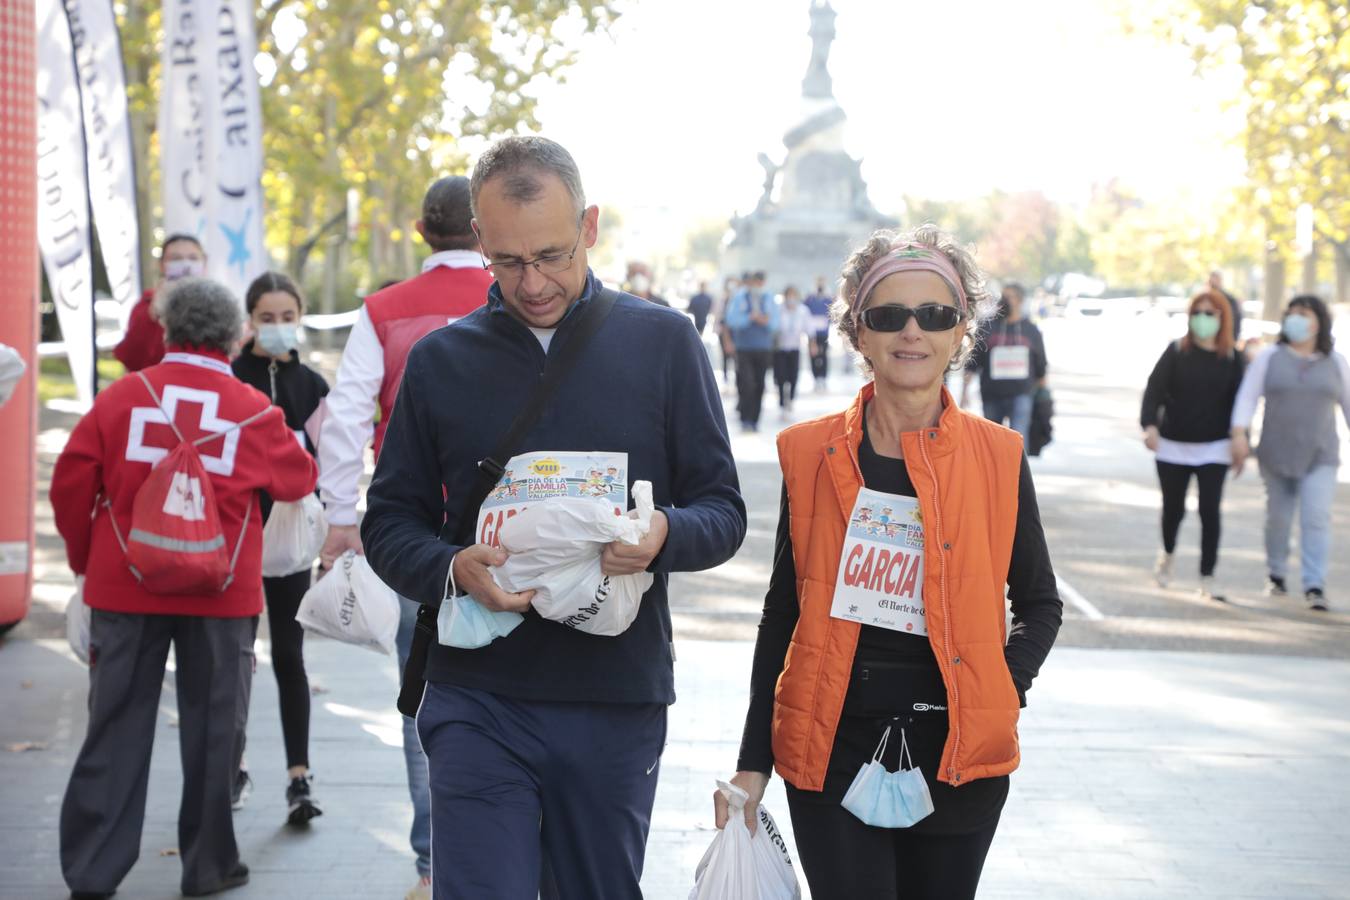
x=724 y=339
x=818 y=305
x=270 y=362
x=1303 y=380
x=180 y=256
x=453 y=284
x=245 y=448
x=1216 y=285
x=794 y=323
x=1186 y=413
x=1010 y=363
x=883 y=640
x=752 y=318
x=700 y=305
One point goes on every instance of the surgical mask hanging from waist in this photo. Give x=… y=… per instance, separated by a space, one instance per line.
x=884 y=799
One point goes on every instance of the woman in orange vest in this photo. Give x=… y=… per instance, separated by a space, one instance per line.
x=886 y=685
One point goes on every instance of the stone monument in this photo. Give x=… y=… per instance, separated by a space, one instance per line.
x=814 y=208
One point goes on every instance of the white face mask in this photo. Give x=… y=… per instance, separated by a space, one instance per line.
x=175 y=269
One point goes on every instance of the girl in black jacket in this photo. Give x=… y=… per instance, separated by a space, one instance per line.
x=271 y=363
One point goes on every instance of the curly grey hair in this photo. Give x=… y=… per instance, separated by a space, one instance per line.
x=202 y=313
x=983 y=306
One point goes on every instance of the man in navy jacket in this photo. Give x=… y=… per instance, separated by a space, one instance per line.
x=544 y=745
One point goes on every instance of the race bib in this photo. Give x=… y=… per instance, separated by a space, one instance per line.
x=881 y=570
x=1011 y=362
x=533 y=478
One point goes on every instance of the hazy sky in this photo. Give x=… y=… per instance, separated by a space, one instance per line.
x=944 y=100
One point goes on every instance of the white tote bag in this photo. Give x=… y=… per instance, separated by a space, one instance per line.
x=293 y=536
x=351 y=604
x=742 y=866
x=78 y=622
x=555 y=551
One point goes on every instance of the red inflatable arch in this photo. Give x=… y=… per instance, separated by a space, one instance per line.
x=18 y=302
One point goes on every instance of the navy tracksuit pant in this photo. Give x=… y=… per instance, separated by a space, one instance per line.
x=538 y=799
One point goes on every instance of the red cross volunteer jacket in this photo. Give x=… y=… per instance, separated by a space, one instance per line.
x=114 y=447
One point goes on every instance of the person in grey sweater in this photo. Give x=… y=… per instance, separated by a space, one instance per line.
x=1303 y=380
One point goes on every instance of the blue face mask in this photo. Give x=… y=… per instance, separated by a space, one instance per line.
x=279 y=340
x=465 y=623
x=889 y=799
x=1297 y=328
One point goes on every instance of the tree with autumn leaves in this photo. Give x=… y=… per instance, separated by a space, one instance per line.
x=1295 y=61
x=365 y=102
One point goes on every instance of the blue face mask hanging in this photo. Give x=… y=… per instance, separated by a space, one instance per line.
x=889 y=799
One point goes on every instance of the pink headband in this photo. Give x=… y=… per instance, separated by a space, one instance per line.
x=911 y=258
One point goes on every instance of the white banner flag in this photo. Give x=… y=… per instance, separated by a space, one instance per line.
x=211 y=135
x=107 y=131
x=63 y=194
x=185 y=106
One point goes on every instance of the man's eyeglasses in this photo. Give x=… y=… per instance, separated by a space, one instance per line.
x=930 y=316
x=551 y=263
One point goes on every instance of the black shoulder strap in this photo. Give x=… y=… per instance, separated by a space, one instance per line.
x=492 y=467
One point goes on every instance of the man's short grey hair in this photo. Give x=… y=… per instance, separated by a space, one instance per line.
x=202 y=313
x=983 y=307
x=521 y=160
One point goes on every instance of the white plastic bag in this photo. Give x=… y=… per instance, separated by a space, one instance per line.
x=742 y=866
x=78 y=622
x=351 y=604
x=293 y=536
x=555 y=551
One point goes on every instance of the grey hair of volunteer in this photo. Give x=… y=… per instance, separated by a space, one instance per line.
x=447 y=222
x=520 y=160
x=199 y=312
x=983 y=306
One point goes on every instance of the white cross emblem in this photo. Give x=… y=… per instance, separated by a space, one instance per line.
x=209 y=401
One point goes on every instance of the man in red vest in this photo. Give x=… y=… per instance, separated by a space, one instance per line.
x=142 y=346
x=453 y=283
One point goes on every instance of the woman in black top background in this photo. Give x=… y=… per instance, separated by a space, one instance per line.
x=271 y=363
x=1187 y=406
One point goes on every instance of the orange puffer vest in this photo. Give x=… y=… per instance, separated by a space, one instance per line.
x=966 y=472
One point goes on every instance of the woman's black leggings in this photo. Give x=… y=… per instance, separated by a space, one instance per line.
x=288 y=662
x=842 y=857
x=1175 y=481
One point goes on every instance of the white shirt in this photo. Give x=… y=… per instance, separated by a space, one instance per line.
x=349 y=415
x=793 y=325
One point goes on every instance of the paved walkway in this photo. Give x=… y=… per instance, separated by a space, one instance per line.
x=1147 y=774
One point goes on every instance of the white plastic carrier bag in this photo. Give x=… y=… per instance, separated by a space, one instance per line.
x=293 y=536
x=555 y=551
x=78 y=622
x=351 y=604
x=742 y=866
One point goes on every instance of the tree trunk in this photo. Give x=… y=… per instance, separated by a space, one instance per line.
x=1341 y=253
x=1310 y=269
x=1274 y=294
x=142 y=127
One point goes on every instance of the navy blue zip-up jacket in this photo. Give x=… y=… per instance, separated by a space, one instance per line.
x=643 y=386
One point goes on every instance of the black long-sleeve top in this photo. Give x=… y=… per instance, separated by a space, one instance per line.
x=1190 y=394
x=1032 y=592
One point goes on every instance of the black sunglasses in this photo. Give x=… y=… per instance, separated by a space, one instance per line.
x=930 y=316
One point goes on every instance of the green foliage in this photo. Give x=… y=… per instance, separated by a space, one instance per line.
x=1294 y=57
x=376 y=96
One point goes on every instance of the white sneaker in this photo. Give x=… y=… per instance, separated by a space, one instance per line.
x=1209 y=591
x=1162 y=569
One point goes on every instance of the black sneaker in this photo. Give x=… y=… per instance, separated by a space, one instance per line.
x=1315 y=599
x=91 y=895
x=1275 y=587
x=303 y=806
x=243 y=786
x=238 y=877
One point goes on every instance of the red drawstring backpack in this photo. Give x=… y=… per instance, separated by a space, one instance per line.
x=176 y=544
